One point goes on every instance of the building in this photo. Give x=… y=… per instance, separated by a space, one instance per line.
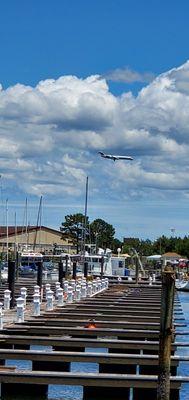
x=45 y=239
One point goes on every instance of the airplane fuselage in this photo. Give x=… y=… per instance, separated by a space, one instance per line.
x=114 y=157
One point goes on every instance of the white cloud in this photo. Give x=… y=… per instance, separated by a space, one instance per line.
x=50 y=135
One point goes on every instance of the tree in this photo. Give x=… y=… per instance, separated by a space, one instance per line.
x=102 y=233
x=73 y=228
x=116 y=244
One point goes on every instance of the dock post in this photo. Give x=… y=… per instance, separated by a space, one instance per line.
x=60 y=297
x=74 y=274
x=7 y=299
x=85 y=269
x=20 y=310
x=39 y=273
x=50 y=300
x=61 y=273
x=102 y=267
x=166 y=331
x=36 y=304
x=57 y=286
x=78 y=293
x=23 y=294
x=11 y=281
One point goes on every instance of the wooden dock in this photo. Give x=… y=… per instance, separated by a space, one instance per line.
x=123 y=320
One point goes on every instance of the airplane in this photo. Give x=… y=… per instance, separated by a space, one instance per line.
x=113 y=157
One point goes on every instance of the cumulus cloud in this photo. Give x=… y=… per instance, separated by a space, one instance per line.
x=50 y=135
x=68 y=102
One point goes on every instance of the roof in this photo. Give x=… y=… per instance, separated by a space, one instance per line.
x=22 y=229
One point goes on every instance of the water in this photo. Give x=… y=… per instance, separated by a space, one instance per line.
x=184 y=366
x=76 y=392
x=60 y=392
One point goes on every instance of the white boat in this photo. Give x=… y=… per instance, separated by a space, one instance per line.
x=28 y=263
x=112 y=265
x=182 y=285
x=94 y=264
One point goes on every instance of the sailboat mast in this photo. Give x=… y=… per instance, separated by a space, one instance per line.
x=38 y=219
x=7 y=232
x=26 y=223
x=85 y=219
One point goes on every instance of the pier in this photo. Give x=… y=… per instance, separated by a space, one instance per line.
x=122 y=320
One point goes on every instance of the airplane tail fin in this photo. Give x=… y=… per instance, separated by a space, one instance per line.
x=101 y=153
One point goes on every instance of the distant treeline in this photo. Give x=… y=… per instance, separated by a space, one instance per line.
x=160 y=246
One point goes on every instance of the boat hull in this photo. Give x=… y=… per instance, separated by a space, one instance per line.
x=182 y=286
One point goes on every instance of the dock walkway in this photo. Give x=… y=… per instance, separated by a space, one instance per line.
x=124 y=320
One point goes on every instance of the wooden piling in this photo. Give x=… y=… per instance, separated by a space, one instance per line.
x=39 y=273
x=61 y=273
x=166 y=332
x=102 y=267
x=74 y=274
x=85 y=269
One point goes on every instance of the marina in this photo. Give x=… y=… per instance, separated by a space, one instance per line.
x=94 y=189
x=104 y=343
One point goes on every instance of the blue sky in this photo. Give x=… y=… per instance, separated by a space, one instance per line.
x=82 y=76
x=42 y=38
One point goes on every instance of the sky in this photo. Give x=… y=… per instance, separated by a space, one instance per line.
x=78 y=77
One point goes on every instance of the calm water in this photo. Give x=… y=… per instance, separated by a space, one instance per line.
x=184 y=367
x=76 y=392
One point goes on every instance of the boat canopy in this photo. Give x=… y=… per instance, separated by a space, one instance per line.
x=154 y=257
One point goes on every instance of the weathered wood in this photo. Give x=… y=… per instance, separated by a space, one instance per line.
x=86 y=379
x=61 y=273
x=99 y=324
x=72 y=356
x=39 y=273
x=112 y=317
x=83 y=342
x=166 y=334
x=85 y=271
x=74 y=274
x=102 y=267
x=130 y=333
x=117 y=309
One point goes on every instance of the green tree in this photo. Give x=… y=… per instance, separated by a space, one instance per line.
x=182 y=246
x=116 y=244
x=146 y=247
x=73 y=227
x=131 y=243
x=102 y=233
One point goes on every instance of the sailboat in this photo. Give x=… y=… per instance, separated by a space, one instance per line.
x=29 y=258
